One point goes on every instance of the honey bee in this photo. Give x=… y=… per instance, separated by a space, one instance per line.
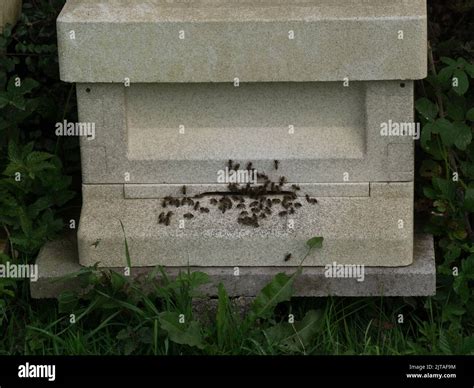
x=276 y=163
x=282 y=181
x=283 y=213
x=241 y=206
x=204 y=210
x=296 y=187
x=312 y=201
x=249 y=166
x=288 y=257
x=168 y=218
x=188 y=216
x=276 y=200
x=254 y=221
x=196 y=205
x=298 y=205
x=96 y=243
x=161 y=218
x=183 y=190
x=229 y=164
x=213 y=201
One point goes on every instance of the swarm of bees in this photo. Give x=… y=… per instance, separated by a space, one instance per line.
x=261 y=197
x=165 y=218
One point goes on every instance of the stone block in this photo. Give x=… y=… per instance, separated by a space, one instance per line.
x=163 y=41
x=10 y=11
x=58 y=260
x=357 y=230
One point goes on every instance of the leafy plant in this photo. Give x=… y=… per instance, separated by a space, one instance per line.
x=31 y=189
x=32 y=99
x=447 y=175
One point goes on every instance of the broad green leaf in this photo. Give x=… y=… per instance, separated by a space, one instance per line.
x=293 y=337
x=463 y=135
x=455 y=111
x=25 y=86
x=446 y=187
x=117 y=280
x=461 y=288
x=37 y=157
x=181 y=333
x=444 y=76
x=38 y=206
x=462 y=82
x=18 y=102
x=27 y=149
x=470 y=114
x=448 y=61
x=14 y=154
x=25 y=222
x=451 y=311
x=468 y=267
x=280 y=289
x=426 y=108
x=446 y=131
x=469 y=199
x=429 y=192
x=469 y=68
x=315 y=242
x=425 y=137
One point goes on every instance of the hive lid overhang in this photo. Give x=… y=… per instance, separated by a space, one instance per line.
x=254 y=41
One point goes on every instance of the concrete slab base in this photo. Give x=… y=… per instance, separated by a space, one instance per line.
x=59 y=259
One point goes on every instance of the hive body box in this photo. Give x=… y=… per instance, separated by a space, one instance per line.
x=306 y=82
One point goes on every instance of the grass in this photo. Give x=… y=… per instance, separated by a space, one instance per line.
x=116 y=317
